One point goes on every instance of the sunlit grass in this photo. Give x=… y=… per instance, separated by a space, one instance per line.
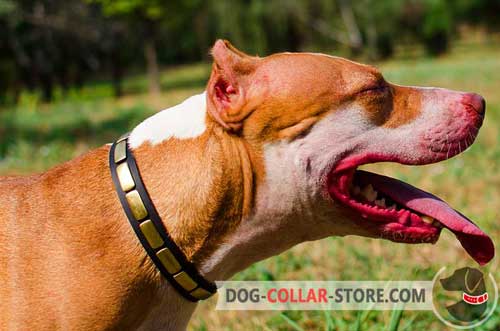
x=34 y=137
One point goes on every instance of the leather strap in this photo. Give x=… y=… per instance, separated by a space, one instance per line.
x=149 y=228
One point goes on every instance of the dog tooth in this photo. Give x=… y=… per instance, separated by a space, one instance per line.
x=380 y=203
x=427 y=219
x=369 y=193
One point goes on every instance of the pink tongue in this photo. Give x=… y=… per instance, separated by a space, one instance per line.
x=473 y=240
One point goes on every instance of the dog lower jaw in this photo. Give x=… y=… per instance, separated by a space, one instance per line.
x=393 y=221
x=408 y=225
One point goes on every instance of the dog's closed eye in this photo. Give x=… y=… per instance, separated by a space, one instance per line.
x=379 y=88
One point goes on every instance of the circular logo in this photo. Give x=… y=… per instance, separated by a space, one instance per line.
x=464 y=298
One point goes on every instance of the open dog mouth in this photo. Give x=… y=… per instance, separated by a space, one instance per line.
x=403 y=213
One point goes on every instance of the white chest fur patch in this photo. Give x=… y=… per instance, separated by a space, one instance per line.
x=184 y=121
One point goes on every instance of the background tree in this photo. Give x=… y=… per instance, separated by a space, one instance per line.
x=51 y=44
x=146 y=16
x=47 y=46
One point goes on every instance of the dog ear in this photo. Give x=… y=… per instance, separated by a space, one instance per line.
x=228 y=89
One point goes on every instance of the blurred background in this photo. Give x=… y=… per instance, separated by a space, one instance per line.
x=76 y=74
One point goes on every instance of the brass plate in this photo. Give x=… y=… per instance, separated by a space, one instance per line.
x=168 y=260
x=185 y=281
x=136 y=205
x=201 y=293
x=125 y=177
x=149 y=231
x=120 y=153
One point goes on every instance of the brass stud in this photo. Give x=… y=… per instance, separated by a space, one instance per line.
x=168 y=260
x=125 y=177
x=136 y=205
x=185 y=281
x=120 y=151
x=152 y=236
x=201 y=293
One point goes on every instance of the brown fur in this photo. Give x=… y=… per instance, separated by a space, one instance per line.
x=319 y=84
x=210 y=207
x=69 y=259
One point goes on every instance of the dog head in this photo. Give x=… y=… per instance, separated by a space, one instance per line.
x=469 y=280
x=312 y=119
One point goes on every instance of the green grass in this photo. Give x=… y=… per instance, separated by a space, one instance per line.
x=34 y=137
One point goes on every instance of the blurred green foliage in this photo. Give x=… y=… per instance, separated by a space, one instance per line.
x=35 y=135
x=46 y=45
x=153 y=9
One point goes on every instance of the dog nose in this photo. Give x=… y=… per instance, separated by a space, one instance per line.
x=475 y=101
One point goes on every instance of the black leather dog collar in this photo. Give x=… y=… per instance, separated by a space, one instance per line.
x=148 y=226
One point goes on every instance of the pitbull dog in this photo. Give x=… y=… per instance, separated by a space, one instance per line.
x=264 y=159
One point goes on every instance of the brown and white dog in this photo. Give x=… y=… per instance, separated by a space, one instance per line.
x=262 y=161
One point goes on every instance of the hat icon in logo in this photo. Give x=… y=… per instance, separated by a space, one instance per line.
x=470 y=282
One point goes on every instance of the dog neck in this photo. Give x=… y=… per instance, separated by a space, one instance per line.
x=200 y=179
x=170 y=311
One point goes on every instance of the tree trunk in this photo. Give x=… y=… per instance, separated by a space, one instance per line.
x=347 y=15
x=152 y=65
x=116 y=71
x=371 y=37
x=117 y=74
x=47 y=87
